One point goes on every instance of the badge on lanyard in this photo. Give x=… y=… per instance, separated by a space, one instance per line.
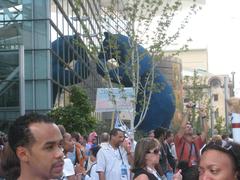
x=123 y=170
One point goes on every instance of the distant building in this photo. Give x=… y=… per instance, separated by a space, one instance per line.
x=221 y=87
x=192 y=59
x=216 y=88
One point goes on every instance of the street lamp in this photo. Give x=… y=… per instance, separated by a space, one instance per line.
x=211 y=110
x=233 y=73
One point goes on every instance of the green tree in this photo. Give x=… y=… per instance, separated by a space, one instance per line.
x=77 y=116
x=145 y=22
x=196 y=92
x=220 y=125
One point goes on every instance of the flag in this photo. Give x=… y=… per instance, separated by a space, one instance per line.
x=118 y=123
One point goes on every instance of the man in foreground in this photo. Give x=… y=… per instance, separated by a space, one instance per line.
x=36 y=141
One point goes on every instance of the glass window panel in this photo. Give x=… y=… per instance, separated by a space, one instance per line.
x=41 y=9
x=41 y=64
x=41 y=95
x=27 y=34
x=9 y=95
x=41 y=35
x=9 y=79
x=29 y=100
x=28 y=65
x=27 y=9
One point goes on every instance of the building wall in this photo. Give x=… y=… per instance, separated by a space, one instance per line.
x=192 y=59
x=27 y=26
x=36 y=25
x=214 y=90
x=218 y=93
x=197 y=59
x=171 y=68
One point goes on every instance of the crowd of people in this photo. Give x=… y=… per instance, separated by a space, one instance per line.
x=38 y=149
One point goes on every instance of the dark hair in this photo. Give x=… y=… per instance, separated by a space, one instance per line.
x=19 y=133
x=159 y=132
x=115 y=131
x=142 y=148
x=188 y=172
x=150 y=132
x=10 y=164
x=94 y=150
x=168 y=133
x=224 y=136
x=76 y=136
x=232 y=149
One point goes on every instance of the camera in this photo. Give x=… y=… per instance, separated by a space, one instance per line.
x=190 y=105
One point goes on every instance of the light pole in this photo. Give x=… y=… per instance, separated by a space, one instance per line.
x=212 y=118
x=233 y=84
x=225 y=99
x=22 y=80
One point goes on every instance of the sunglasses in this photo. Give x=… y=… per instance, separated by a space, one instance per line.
x=219 y=146
x=155 y=151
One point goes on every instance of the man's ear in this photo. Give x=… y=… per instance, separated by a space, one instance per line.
x=22 y=153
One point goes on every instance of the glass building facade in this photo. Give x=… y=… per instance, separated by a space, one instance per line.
x=56 y=53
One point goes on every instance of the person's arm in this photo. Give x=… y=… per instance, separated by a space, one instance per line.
x=130 y=158
x=205 y=125
x=205 y=130
x=129 y=153
x=181 y=130
x=83 y=152
x=101 y=175
x=101 y=164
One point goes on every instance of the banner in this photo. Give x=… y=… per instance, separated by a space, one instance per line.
x=115 y=99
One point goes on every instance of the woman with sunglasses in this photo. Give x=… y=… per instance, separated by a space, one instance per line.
x=219 y=162
x=146 y=157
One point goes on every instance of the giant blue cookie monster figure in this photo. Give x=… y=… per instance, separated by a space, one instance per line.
x=162 y=103
x=65 y=50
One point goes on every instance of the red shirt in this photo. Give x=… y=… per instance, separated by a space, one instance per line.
x=188 y=151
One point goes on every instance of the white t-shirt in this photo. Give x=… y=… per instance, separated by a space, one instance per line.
x=93 y=174
x=68 y=168
x=173 y=150
x=110 y=162
x=104 y=144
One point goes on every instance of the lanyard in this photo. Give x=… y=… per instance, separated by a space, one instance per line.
x=120 y=155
